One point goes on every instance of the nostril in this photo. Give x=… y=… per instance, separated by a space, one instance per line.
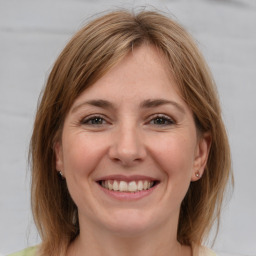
x=126 y=160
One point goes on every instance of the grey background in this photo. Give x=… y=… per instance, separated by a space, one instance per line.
x=32 y=34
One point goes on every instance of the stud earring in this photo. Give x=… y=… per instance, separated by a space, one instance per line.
x=61 y=175
x=198 y=175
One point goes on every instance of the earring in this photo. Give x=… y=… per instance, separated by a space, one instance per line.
x=198 y=175
x=61 y=175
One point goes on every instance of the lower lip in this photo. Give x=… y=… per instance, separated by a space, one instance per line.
x=128 y=196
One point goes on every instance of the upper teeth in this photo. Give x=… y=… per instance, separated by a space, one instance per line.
x=123 y=186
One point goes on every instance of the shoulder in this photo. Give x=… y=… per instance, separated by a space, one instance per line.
x=31 y=251
x=203 y=251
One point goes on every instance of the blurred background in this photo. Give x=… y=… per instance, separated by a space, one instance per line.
x=33 y=33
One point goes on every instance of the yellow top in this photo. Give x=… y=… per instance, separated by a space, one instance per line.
x=197 y=251
x=31 y=251
x=203 y=251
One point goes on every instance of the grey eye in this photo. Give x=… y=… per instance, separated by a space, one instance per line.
x=95 y=120
x=161 y=121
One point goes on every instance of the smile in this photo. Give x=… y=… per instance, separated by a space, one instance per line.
x=124 y=186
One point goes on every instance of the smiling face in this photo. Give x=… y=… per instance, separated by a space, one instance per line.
x=130 y=148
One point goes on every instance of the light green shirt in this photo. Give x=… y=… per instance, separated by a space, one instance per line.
x=27 y=252
x=197 y=251
x=203 y=251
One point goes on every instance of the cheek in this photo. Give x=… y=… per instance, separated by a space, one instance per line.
x=81 y=154
x=175 y=155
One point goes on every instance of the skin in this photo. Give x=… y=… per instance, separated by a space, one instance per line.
x=123 y=137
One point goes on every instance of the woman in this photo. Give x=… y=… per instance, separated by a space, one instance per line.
x=129 y=151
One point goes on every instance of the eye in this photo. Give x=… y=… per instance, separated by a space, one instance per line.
x=93 y=120
x=161 y=120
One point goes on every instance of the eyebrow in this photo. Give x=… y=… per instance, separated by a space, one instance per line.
x=150 y=103
x=97 y=103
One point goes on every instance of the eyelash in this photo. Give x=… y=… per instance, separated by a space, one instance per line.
x=167 y=120
x=85 y=121
x=160 y=117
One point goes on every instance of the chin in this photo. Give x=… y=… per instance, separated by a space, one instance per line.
x=129 y=222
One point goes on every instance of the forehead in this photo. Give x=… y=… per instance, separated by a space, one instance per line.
x=143 y=73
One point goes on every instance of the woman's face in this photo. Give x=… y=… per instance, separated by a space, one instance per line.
x=130 y=149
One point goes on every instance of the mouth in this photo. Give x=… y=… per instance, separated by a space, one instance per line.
x=127 y=186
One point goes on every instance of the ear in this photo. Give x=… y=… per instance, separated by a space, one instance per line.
x=58 y=156
x=201 y=155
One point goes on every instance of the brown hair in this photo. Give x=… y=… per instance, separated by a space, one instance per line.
x=88 y=56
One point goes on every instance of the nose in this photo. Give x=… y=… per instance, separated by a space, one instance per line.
x=127 y=147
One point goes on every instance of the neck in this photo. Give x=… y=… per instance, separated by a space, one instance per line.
x=98 y=242
x=116 y=246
